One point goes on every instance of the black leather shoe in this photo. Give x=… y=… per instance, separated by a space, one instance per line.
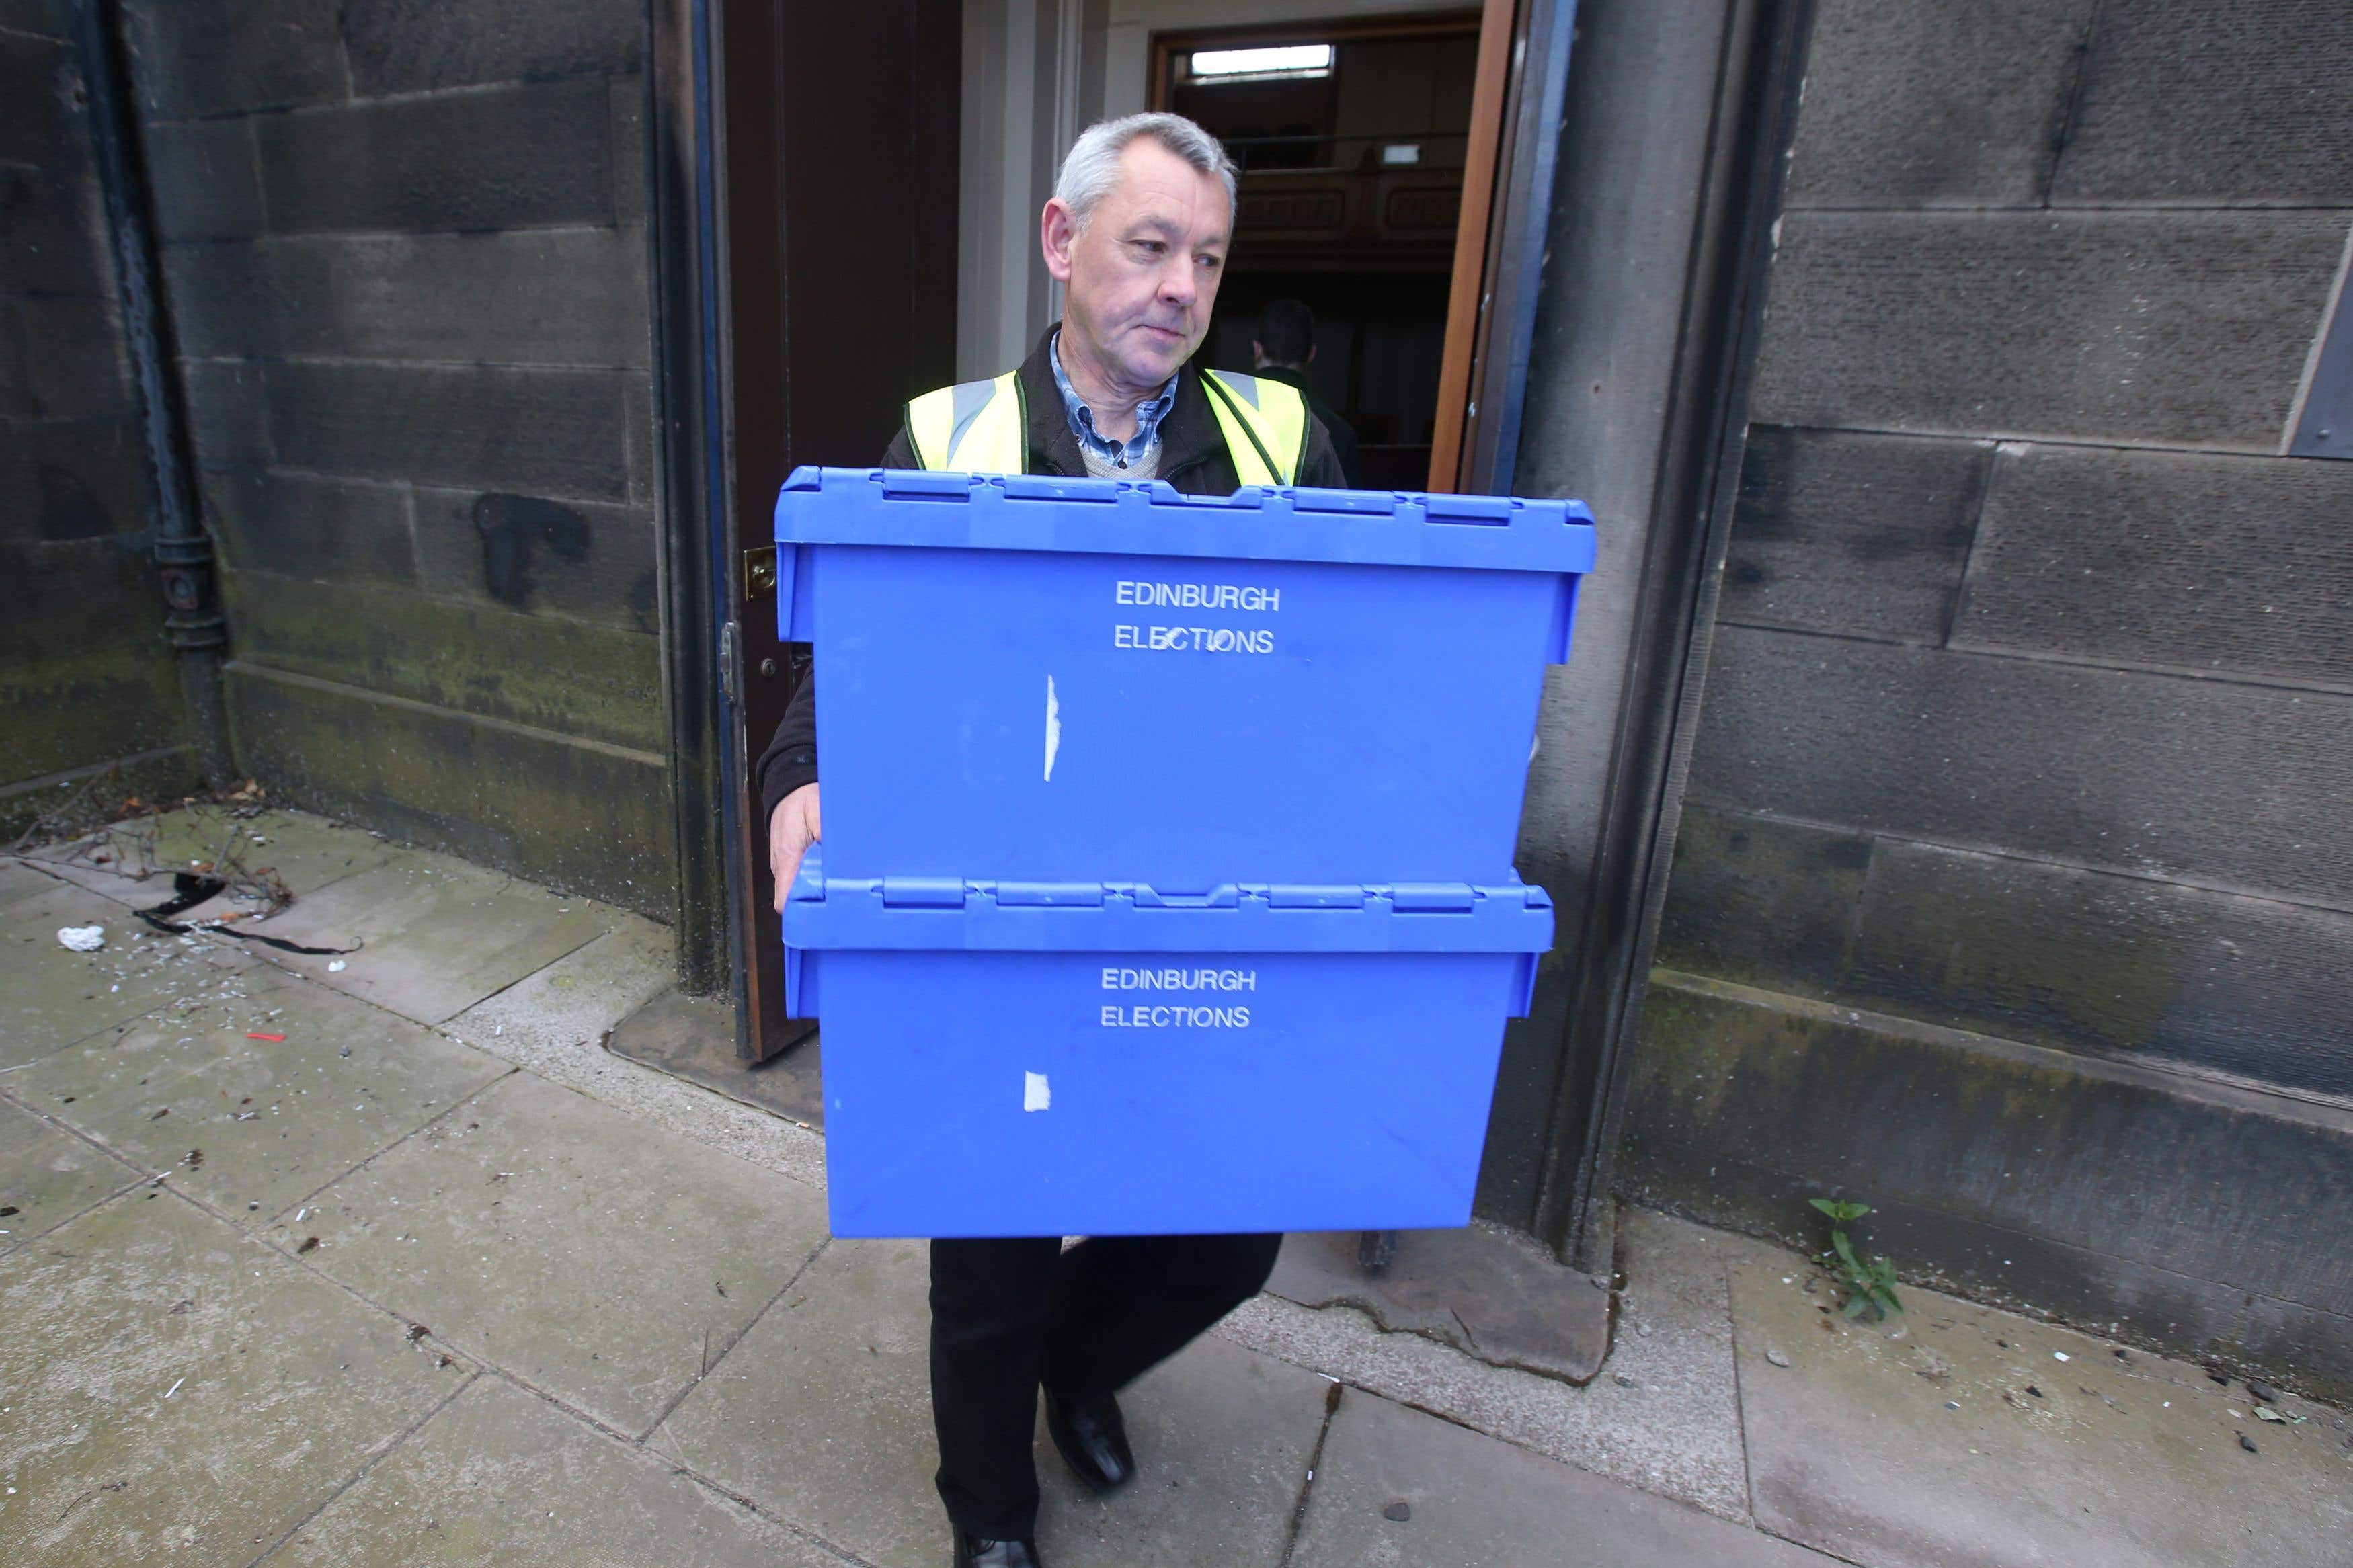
x=972 y=1552
x=1093 y=1440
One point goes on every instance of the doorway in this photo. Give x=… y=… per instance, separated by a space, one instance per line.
x=1352 y=136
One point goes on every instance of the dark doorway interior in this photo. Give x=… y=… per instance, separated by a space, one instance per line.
x=1352 y=142
x=1378 y=341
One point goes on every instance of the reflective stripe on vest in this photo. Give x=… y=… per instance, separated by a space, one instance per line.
x=978 y=426
x=1264 y=421
x=974 y=427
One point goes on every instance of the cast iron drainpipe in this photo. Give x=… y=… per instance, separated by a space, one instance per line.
x=184 y=551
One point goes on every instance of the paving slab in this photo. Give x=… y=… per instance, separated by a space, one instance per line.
x=822 y=1416
x=52 y=996
x=1470 y=1501
x=598 y=1259
x=555 y=1022
x=47 y=1175
x=18 y=881
x=1966 y=1437
x=501 y=1477
x=1223 y=1438
x=249 y=1122
x=133 y=861
x=1662 y=1416
x=177 y=1392
x=577 y=998
x=433 y=934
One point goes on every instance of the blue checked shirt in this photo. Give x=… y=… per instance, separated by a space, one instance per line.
x=1140 y=451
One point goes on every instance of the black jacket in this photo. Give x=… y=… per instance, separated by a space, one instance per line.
x=1193 y=458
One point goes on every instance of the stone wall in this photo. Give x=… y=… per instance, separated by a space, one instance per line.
x=86 y=680
x=404 y=250
x=2013 y=894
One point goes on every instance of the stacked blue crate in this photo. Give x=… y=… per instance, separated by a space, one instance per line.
x=1080 y=737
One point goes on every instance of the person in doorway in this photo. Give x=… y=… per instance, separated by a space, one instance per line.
x=1282 y=351
x=1137 y=233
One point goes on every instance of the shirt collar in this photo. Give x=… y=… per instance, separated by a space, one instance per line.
x=1148 y=416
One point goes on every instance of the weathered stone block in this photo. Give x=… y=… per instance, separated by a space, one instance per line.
x=638 y=422
x=630 y=151
x=2235 y=564
x=511 y=158
x=2310 y=1346
x=35 y=74
x=2226 y=785
x=407 y=45
x=2228 y=101
x=192 y=58
x=1935 y=105
x=1763 y=902
x=85 y=673
x=57 y=233
x=572 y=298
x=1743 y=1104
x=581 y=815
x=228 y=414
x=2187 y=327
x=1857 y=533
x=307 y=527
x=558 y=675
x=2242 y=989
x=205 y=179
x=539 y=554
x=89 y=593
x=82 y=479
x=47 y=18
x=75 y=363
x=540 y=431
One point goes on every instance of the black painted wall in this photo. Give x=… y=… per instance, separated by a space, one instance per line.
x=2013 y=893
x=403 y=246
x=86 y=680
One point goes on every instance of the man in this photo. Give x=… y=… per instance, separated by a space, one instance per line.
x=1137 y=232
x=1282 y=350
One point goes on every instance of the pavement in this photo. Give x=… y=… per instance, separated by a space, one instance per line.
x=379 y=1257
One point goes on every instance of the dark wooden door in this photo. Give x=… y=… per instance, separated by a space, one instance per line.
x=839 y=187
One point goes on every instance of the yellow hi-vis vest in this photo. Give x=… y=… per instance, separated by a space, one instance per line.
x=979 y=427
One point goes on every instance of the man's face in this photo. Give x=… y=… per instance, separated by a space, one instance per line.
x=1140 y=280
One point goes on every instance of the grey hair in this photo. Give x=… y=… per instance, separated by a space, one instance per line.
x=1091 y=167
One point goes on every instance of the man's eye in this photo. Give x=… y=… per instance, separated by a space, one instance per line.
x=1150 y=247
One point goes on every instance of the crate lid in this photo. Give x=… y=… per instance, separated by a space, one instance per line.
x=1120 y=517
x=935 y=912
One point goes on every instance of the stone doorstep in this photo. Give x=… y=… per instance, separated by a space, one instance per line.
x=1483 y=1290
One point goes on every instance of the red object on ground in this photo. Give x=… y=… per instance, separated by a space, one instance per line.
x=279 y=1039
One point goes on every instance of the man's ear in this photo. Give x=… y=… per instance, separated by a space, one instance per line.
x=1310 y=359
x=1056 y=235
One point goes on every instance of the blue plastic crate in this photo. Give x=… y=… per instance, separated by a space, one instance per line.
x=1067 y=1059
x=1078 y=678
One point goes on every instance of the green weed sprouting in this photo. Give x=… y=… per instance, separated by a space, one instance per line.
x=1868 y=1287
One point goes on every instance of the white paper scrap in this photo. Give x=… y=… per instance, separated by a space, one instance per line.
x=1053 y=727
x=81 y=939
x=1037 y=1094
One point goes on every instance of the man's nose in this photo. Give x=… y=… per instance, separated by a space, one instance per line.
x=1179 y=286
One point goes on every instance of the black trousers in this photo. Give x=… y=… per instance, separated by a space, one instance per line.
x=1010 y=1315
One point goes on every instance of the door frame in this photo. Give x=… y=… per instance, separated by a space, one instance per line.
x=1758 y=78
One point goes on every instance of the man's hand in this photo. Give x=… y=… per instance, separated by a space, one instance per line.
x=791 y=831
